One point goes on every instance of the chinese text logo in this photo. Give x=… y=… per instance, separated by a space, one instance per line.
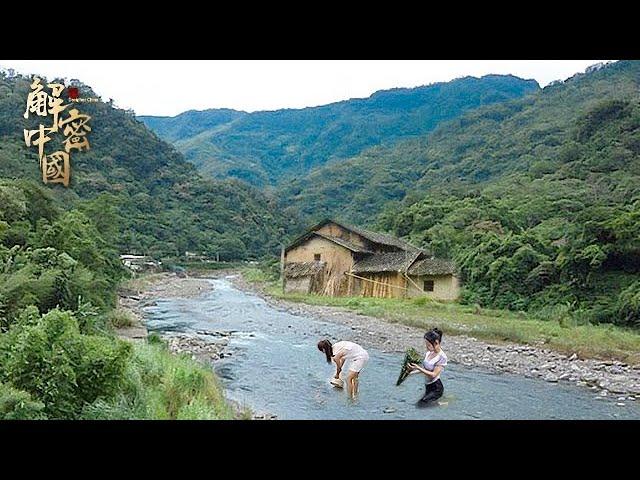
x=55 y=167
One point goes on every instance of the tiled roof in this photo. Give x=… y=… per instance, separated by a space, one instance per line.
x=385 y=262
x=432 y=266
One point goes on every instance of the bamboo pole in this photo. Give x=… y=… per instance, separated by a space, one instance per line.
x=414 y=283
x=374 y=281
x=282 y=266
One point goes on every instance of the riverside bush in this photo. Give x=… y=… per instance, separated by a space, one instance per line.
x=19 y=405
x=59 y=366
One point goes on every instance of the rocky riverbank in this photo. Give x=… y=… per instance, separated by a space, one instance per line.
x=204 y=346
x=605 y=378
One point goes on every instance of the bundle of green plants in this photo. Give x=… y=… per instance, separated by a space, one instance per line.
x=410 y=356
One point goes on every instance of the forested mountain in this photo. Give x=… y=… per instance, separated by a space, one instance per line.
x=272 y=147
x=536 y=197
x=59 y=266
x=530 y=134
x=537 y=200
x=144 y=195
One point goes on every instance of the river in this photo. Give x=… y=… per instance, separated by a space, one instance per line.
x=275 y=367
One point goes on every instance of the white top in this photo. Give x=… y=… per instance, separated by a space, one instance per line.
x=440 y=359
x=353 y=350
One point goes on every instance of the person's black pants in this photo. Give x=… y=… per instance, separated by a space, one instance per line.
x=433 y=391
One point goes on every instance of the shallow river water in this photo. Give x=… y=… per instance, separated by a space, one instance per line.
x=275 y=367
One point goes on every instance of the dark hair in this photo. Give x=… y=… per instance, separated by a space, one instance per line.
x=432 y=335
x=325 y=346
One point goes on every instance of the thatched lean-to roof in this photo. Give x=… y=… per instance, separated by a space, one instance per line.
x=432 y=266
x=385 y=262
x=302 y=269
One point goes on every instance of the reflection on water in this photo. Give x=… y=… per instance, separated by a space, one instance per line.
x=276 y=367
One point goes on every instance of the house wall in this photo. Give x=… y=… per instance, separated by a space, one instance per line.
x=386 y=285
x=298 y=285
x=338 y=259
x=337 y=231
x=445 y=287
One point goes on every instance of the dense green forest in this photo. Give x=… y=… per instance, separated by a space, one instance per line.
x=532 y=134
x=537 y=200
x=269 y=148
x=535 y=196
x=59 y=267
x=145 y=198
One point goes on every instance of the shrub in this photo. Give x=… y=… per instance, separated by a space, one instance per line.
x=120 y=318
x=627 y=307
x=19 y=405
x=59 y=366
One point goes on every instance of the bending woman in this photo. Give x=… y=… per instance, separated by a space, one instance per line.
x=432 y=366
x=340 y=352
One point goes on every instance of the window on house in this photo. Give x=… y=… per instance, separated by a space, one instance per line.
x=316 y=257
x=428 y=286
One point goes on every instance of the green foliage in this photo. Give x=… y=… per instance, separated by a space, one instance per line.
x=138 y=191
x=120 y=318
x=264 y=148
x=19 y=405
x=160 y=385
x=539 y=210
x=627 y=307
x=59 y=366
x=410 y=356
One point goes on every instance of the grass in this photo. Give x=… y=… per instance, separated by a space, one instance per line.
x=164 y=386
x=120 y=318
x=608 y=342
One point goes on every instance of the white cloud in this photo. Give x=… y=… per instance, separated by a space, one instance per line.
x=169 y=87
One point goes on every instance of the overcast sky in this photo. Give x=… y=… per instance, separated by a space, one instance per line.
x=169 y=87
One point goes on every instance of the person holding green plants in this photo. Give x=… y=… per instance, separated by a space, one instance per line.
x=434 y=362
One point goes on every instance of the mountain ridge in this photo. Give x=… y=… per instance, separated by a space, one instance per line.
x=268 y=147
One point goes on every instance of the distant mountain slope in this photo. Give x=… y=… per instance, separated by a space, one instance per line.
x=265 y=148
x=538 y=201
x=533 y=134
x=191 y=123
x=142 y=190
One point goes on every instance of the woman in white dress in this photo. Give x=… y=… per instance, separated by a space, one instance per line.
x=342 y=351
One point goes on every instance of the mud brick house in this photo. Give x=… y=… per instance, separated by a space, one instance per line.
x=336 y=259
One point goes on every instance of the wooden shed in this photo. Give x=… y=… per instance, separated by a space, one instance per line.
x=337 y=259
